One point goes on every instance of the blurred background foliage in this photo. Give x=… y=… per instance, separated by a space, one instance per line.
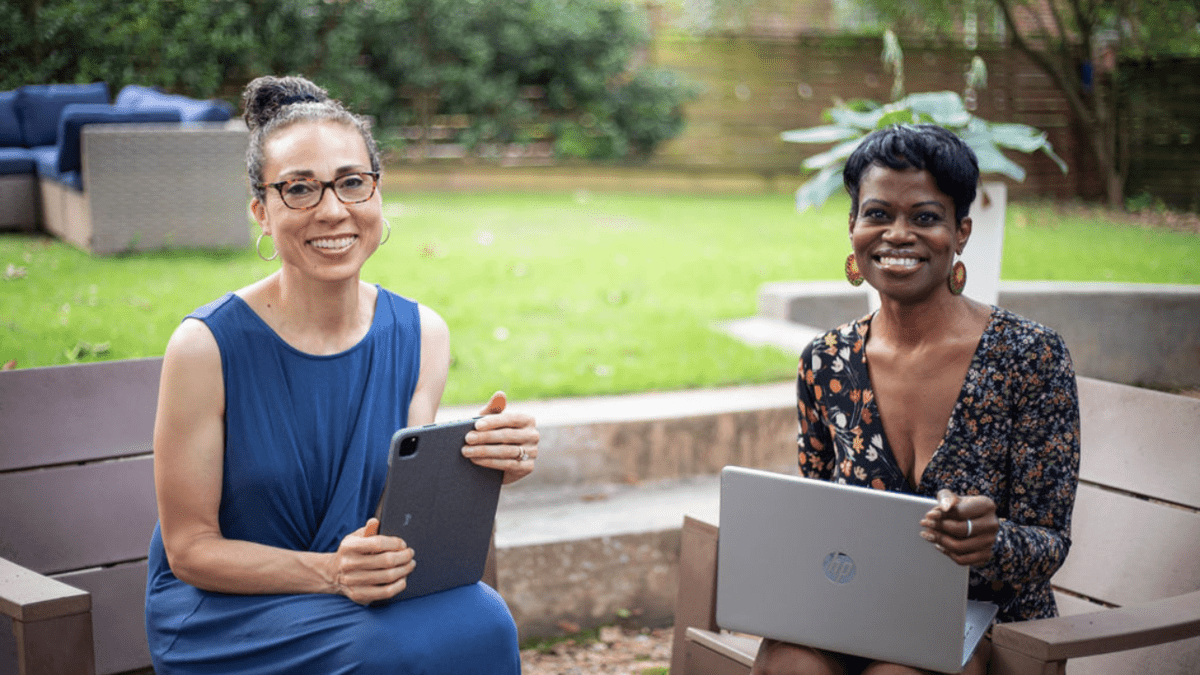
x=570 y=73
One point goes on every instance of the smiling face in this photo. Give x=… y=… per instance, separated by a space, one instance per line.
x=904 y=233
x=332 y=240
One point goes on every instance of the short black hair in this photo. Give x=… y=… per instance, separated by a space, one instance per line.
x=927 y=147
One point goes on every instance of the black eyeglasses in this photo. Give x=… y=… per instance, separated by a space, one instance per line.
x=303 y=194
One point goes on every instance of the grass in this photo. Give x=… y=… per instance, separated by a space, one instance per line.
x=550 y=295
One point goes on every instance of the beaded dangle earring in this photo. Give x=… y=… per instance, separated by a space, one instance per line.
x=958 y=278
x=854 y=276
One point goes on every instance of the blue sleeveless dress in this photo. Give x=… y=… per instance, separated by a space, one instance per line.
x=306 y=442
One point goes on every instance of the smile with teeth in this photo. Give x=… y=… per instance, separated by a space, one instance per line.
x=336 y=244
x=894 y=261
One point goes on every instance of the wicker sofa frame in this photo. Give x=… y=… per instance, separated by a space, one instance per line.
x=18 y=202
x=152 y=186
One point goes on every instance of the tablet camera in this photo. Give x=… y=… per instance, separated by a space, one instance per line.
x=408 y=446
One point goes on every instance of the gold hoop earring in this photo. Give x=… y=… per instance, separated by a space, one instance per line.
x=389 y=232
x=258 y=249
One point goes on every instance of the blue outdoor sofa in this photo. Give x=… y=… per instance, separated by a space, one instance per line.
x=148 y=170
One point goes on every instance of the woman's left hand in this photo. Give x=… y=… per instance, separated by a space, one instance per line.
x=963 y=528
x=507 y=441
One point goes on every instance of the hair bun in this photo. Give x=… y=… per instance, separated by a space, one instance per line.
x=265 y=96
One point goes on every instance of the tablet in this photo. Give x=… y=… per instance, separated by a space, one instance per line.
x=442 y=504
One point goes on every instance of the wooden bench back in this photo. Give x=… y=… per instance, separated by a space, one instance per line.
x=1136 y=524
x=77 y=491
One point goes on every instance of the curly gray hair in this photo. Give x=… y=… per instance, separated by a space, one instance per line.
x=273 y=103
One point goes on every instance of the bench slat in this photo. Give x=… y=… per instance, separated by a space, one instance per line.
x=118 y=615
x=60 y=414
x=1127 y=550
x=1140 y=440
x=75 y=517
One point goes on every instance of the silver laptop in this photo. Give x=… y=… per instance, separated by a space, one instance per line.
x=843 y=569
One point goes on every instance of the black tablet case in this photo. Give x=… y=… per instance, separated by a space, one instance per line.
x=442 y=504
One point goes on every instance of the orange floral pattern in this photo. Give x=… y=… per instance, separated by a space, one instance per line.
x=1013 y=436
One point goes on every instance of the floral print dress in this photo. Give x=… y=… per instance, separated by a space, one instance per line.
x=1013 y=436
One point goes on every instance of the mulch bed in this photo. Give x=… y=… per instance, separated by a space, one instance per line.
x=612 y=650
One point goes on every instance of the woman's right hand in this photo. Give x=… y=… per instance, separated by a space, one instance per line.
x=369 y=567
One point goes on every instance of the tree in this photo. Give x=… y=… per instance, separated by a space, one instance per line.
x=563 y=68
x=1070 y=40
x=567 y=69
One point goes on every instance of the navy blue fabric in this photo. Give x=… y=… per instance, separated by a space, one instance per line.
x=137 y=97
x=75 y=115
x=39 y=106
x=10 y=125
x=306 y=443
x=16 y=160
x=45 y=160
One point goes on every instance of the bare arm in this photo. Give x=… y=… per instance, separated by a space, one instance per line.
x=435 y=368
x=502 y=440
x=188 y=470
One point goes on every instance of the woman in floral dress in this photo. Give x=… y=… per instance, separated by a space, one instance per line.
x=938 y=395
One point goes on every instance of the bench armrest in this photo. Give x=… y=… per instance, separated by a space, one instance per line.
x=740 y=649
x=52 y=622
x=27 y=596
x=1104 y=631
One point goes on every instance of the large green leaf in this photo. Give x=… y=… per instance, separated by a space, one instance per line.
x=835 y=155
x=991 y=160
x=819 y=188
x=1017 y=136
x=854 y=119
x=1049 y=150
x=901 y=116
x=827 y=133
x=945 y=107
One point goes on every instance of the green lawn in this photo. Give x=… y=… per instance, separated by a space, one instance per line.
x=548 y=295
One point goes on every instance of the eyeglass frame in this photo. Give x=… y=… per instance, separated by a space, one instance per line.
x=325 y=185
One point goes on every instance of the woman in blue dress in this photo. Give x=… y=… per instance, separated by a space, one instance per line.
x=276 y=408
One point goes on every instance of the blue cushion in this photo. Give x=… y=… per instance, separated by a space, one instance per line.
x=46 y=159
x=137 y=97
x=16 y=160
x=39 y=105
x=75 y=115
x=10 y=126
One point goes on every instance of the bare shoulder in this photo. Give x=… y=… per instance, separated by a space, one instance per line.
x=192 y=367
x=193 y=344
x=434 y=330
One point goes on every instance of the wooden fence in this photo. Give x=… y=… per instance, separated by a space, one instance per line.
x=755 y=88
x=1163 y=118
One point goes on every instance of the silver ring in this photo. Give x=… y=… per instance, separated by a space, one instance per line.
x=970 y=527
x=524 y=455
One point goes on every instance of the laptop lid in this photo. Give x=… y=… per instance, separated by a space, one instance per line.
x=840 y=568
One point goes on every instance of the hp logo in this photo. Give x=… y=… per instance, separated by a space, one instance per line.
x=839 y=567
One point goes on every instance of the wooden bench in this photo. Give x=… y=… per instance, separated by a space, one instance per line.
x=1129 y=592
x=77 y=498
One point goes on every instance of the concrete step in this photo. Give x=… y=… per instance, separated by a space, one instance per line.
x=756 y=331
x=1120 y=332
x=594 y=532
